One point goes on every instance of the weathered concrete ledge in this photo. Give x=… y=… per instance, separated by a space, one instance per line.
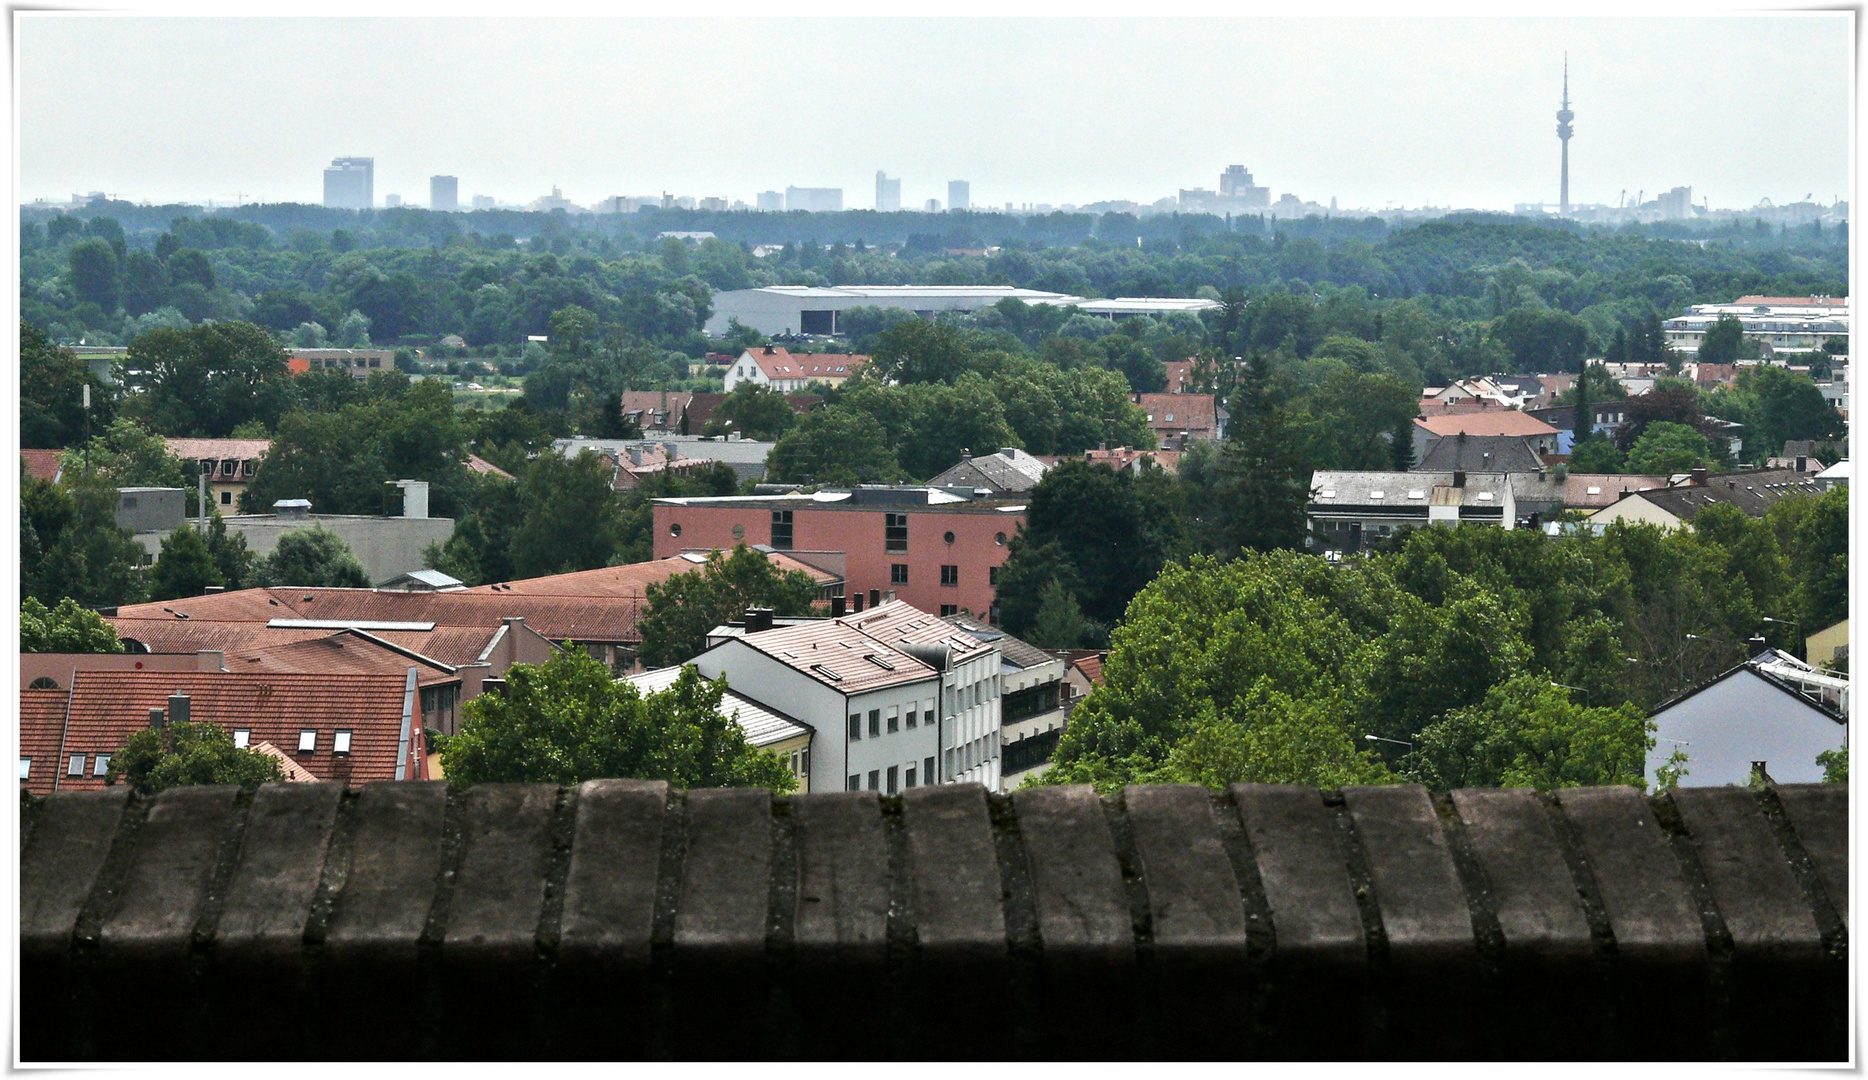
x=621 y=920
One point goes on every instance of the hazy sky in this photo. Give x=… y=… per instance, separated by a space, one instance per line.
x=1447 y=111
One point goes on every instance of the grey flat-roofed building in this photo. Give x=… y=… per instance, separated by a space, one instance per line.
x=804 y=309
x=444 y=193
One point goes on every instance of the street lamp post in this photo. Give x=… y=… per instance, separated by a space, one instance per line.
x=1397 y=742
x=1579 y=689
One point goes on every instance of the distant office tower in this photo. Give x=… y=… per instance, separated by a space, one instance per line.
x=933 y=206
x=392 y=200
x=772 y=200
x=444 y=193
x=350 y=183
x=1677 y=203
x=483 y=202
x=1236 y=183
x=1564 y=116
x=959 y=195
x=888 y=192
x=815 y=199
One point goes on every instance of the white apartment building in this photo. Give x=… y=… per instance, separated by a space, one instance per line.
x=895 y=698
x=1785 y=323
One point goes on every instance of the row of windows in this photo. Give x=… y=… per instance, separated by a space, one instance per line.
x=307 y=740
x=801 y=763
x=875 y=723
x=898 y=778
x=971 y=756
x=74 y=766
x=949 y=575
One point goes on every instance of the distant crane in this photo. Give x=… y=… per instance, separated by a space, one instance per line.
x=1637 y=198
x=1620 y=199
x=1807 y=198
x=239 y=196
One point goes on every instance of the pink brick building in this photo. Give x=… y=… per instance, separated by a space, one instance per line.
x=937 y=551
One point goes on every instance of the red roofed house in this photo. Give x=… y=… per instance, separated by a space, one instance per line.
x=1182 y=416
x=1435 y=426
x=43 y=464
x=230 y=464
x=349 y=728
x=774 y=367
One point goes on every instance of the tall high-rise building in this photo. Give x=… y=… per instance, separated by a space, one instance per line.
x=1564 y=116
x=888 y=192
x=771 y=201
x=959 y=195
x=444 y=193
x=350 y=183
x=1236 y=183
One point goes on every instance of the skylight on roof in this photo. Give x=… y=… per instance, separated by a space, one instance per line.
x=879 y=662
x=1485 y=496
x=1417 y=494
x=826 y=673
x=1594 y=490
x=1377 y=494
x=1327 y=493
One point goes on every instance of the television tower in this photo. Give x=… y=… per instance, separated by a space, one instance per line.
x=1564 y=116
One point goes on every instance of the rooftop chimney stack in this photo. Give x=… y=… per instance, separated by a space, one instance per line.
x=155 y=719
x=838 y=607
x=178 y=707
x=758 y=619
x=1699 y=478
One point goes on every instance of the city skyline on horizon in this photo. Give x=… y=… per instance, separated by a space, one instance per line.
x=1463 y=120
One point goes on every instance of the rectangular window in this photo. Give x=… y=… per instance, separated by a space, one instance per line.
x=856 y=726
x=895 y=532
x=804 y=762
x=855 y=784
x=875 y=779
x=949 y=609
x=927 y=770
x=898 y=573
x=992 y=575
x=894 y=721
x=307 y=740
x=947 y=762
x=242 y=736
x=950 y=575
x=875 y=722
x=908 y=777
x=101 y=765
x=25 y=768
x=911 y=719
x=226 y=498
x=75 y=767
x=894 y=779
x=781 y=529
x=340 y=743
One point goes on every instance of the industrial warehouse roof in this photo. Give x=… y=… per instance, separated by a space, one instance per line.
x=1146 y=305
x=761 y=724
x=908 y=292
x=1010 y=471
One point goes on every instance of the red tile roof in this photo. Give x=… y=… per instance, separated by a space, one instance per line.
x=478 y=464
x=779 y=363
x=344 y=652
x=1178 y=373
x=42 y=464
x=1092 y=668
x=238 y=449
x=1174 y=413
x=1492 y=422
x=41 y=729
x=107 y=707
x=290 y=771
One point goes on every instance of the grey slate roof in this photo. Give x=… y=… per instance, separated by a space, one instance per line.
x=1752 y=492
x=1008 y=470
x=1481 y=453
x=1012 y=651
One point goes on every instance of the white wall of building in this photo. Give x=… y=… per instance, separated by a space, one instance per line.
x=1742 y=719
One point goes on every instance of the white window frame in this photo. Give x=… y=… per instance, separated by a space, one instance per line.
x=25 y=768
x=308 y=735
x=100 y=765
x=74 y=765
x=242 y=737
x=340 y=741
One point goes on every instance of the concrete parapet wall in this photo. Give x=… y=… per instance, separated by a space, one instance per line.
x=620 y=920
